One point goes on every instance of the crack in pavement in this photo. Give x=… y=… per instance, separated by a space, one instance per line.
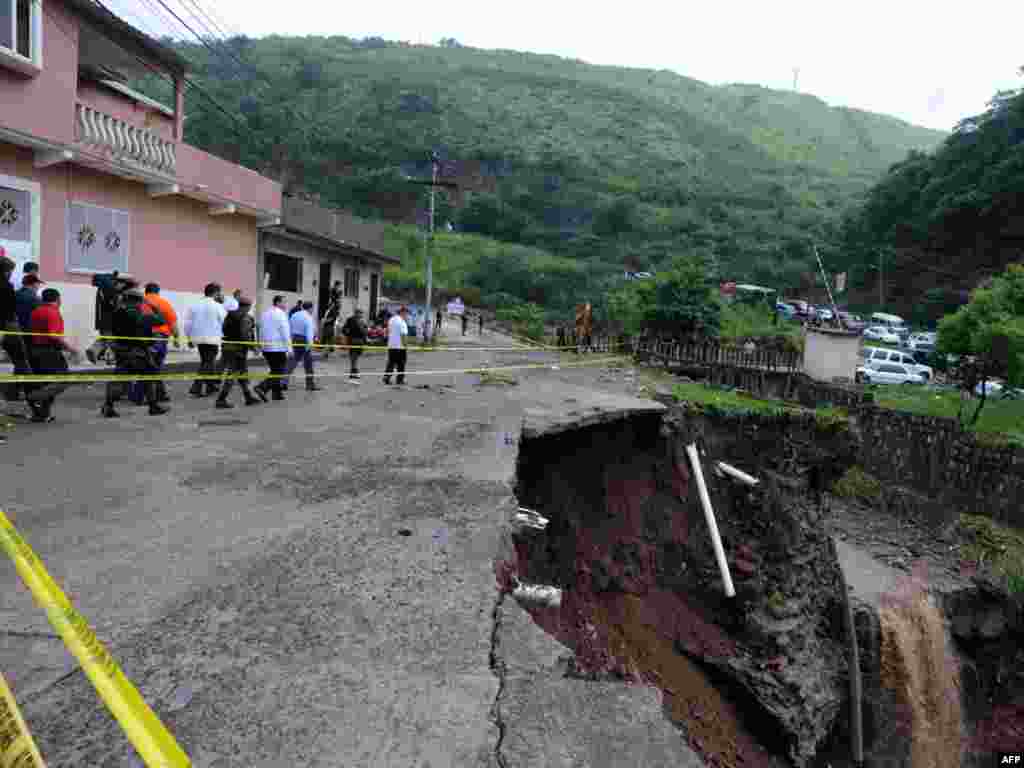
x=498 y=669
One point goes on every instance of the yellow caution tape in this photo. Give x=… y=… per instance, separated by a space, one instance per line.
x=532 y=345
x=17 y=750
x=152 y=741
x=88 y=378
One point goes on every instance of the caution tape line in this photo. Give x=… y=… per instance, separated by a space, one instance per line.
x=17 y=749
x=151 y=739
x=533 y=346
x=72 y=378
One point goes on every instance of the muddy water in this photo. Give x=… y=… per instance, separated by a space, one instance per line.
x=917 y=664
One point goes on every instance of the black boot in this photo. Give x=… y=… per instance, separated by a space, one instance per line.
x=311 y=385
x=221 y=403
x=157 y=410
x=109 y=412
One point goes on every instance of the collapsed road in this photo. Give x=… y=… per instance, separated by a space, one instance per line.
x=309 y=584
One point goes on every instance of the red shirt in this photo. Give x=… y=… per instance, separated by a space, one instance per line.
x=46 y=318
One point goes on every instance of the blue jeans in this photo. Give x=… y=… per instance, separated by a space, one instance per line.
x=136 y=393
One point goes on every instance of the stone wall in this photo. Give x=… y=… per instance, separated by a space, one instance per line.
x=935 y=458
x=930 y=469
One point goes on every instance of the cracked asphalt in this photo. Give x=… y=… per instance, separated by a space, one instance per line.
x=307 y=583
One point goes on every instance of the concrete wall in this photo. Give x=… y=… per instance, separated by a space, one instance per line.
x=124 y=108
x=44 y=105
x=173 y=240
x=312 y=257
x=830 y=356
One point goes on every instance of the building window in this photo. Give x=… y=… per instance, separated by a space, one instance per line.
x=20 y=28
x=284 y=273
x=98 y=239
x=351 y=283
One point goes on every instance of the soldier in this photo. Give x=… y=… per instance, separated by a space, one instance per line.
x=133 y=351
x=239 y=333
x=330 y=320
x=355 y=332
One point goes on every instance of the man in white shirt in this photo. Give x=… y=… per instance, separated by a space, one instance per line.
x=204 y=327
x=231 y=302
x=275 y=336
x=303 y=335
x=397 y=328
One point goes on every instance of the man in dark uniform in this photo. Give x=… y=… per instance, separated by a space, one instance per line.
x=356 y=332
x=239 y=335
x=13 y=343
x=133 y=351
x=465 y=322
x=108 y=297
x=330 y=320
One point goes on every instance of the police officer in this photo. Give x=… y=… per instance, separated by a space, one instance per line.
x=239 y=335
x=133 y=350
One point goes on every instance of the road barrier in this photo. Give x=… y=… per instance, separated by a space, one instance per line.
x=154 y=743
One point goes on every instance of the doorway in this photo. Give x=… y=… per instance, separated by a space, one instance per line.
x=373 y=296
x=325 y=290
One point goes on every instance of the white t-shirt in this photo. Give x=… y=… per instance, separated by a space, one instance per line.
x=396 y=330
x=230 y=303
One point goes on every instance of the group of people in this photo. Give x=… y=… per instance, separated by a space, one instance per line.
x=137 y=326
x=439 y=321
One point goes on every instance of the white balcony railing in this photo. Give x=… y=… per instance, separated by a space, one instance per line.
x=129 y=141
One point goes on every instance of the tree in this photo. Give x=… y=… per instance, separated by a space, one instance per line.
x=685 y=299
x=987 y=337
x=630 y=304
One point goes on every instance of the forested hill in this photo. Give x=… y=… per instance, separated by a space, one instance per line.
x=940 y=223
x=593 y=162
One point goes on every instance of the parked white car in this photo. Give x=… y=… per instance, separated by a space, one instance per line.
x=878 y=333
x=889 y=373
x=876 y=356
x=998 y=388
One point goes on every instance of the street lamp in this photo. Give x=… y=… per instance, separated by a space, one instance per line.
x=435 y=161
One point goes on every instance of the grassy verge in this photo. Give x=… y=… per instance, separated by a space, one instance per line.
x=728 y=400
x=1000 y=417
x=995 y=545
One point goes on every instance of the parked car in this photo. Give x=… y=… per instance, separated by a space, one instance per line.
x=852 y=322
x=924 y=341
x=998 y=388
x=876 y=356
x=889 y=373
x=824 y=314
x=786 y=310
x=878 y=333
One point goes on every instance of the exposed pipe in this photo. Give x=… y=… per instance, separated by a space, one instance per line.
x=538 y=594
x=709 y=514
x=853 y=649
x=743 y=477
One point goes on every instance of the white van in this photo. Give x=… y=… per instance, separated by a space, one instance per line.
x=894 y=323
x=887 y=321
x=876 y=356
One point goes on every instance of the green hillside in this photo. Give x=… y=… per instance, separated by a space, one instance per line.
x=586 y=162
x=940 y=223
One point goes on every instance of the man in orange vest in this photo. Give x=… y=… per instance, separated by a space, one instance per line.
x=163 y=332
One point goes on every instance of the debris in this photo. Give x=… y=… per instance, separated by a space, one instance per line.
x=743 y=477
x=538 y=595
x=404 y=532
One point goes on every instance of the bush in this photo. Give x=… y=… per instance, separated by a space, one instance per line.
x=528 y=319
x=857 y=484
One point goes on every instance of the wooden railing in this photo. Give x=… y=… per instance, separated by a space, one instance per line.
x=707 y=353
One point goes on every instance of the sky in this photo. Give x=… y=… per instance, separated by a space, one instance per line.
x=907 y=58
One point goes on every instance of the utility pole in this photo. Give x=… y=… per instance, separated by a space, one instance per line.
x=881 y=284
x=428 y=331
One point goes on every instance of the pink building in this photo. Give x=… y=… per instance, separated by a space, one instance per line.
x=95 y=177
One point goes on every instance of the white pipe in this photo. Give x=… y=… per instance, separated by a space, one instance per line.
x=716 y=540
x=530 y=519
x=743 y=477
x=539 y=594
